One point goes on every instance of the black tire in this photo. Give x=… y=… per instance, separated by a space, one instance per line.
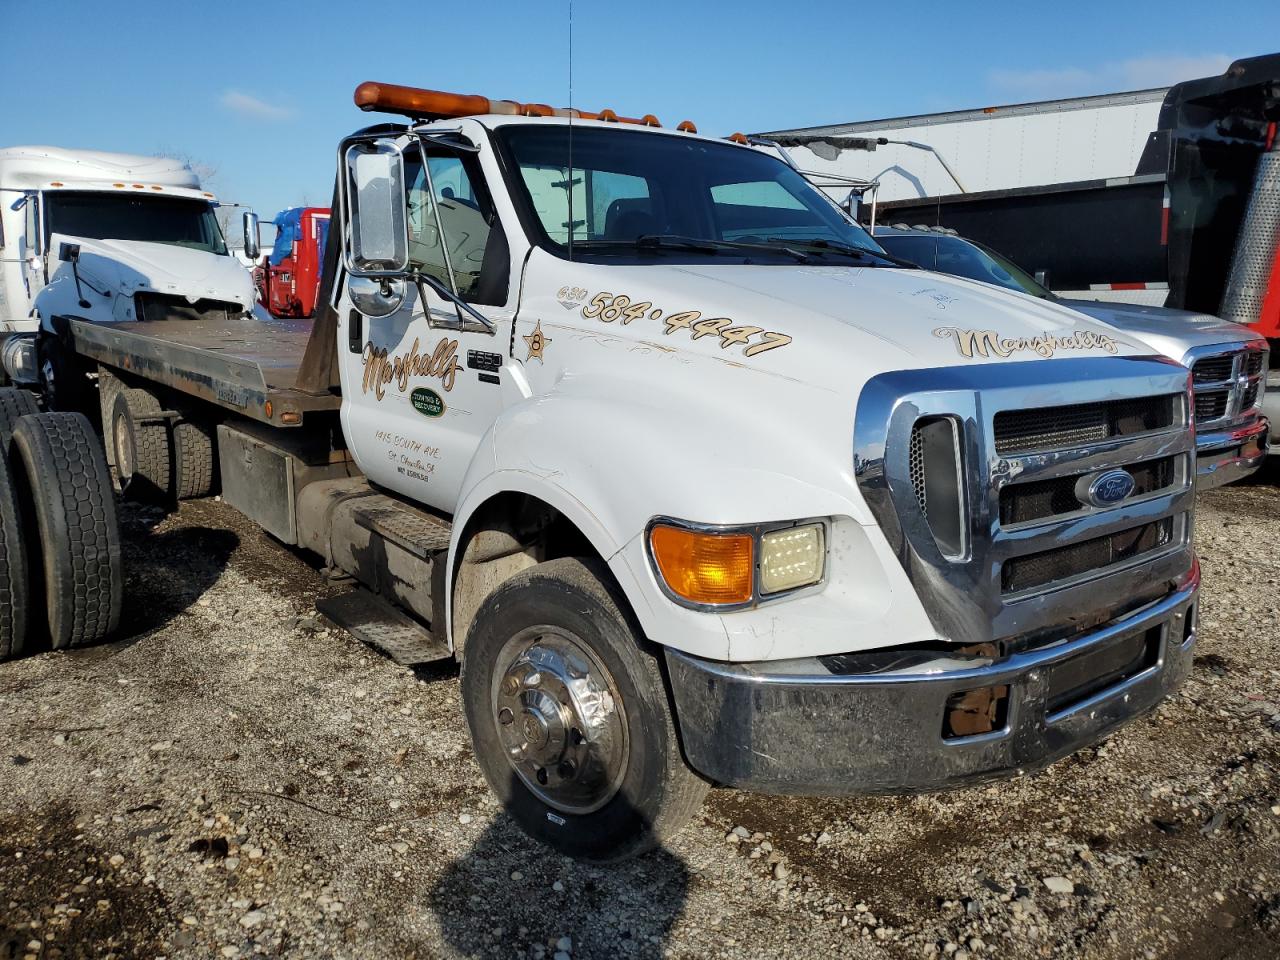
x=195 y=466
x=61 y=474
x=658 y=793
x=142 y=446
x=13 y=569
x=108 y=386
x=14 y=403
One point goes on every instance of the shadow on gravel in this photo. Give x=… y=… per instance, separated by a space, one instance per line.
x=166 y=573
x=509 y=894
x=102 y=912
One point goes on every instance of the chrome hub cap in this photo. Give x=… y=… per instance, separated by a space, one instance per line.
x=124 y=451
x=560 y=720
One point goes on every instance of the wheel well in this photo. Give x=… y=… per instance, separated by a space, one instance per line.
x=510 y=532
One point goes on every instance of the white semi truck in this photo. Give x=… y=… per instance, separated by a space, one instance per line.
x=695 y=481
x=142 y=229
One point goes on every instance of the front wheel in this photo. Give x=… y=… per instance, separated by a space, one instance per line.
x=570 y=718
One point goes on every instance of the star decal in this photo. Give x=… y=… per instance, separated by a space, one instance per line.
x=537 y=342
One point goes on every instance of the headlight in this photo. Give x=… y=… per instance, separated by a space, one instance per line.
x=791 y=558
x=730 y=568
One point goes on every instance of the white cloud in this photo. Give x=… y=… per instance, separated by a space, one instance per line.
x=1138 y=73
x=249 y=106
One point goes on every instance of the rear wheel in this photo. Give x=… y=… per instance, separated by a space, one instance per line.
x=14 y=403
x=195 y=461
x=139 y=437
x=570 y=718
x=13 y=569
x=62 y=475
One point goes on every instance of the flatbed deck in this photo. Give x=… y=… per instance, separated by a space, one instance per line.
x=249 y=364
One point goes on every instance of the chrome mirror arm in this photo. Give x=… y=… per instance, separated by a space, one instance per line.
x=421 y=279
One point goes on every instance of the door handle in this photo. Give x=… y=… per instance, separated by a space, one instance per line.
x=355 y=332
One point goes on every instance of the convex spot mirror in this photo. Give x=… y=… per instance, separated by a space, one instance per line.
x=376 y=296
x=376 y=208
x=252 y=243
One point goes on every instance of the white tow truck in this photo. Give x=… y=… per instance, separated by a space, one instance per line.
x=696 y=482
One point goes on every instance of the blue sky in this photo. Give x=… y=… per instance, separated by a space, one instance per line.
x=261 y=92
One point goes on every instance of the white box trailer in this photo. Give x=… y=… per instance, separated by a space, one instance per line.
x=992 y=148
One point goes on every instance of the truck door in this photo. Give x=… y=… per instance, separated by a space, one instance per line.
x=421 y=385
x=22 y=255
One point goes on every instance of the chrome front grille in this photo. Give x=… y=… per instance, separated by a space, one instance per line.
x=1045 y=499
x=1041 y=559
x=1211 y=405
x=1052 y=428
x=1035 y=570
x=1213 y=369
x=1227 y=383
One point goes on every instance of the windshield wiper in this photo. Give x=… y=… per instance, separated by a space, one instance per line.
x=846 y=249
x=671 y=241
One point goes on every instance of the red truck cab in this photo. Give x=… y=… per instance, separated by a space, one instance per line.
x=288 y=277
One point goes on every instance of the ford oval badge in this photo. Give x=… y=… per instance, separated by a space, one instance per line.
x=1105 y=489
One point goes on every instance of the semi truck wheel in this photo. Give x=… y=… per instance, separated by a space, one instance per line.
x=13 y=569
x=62 y=475
x=195 y=463
x=63 y=377
x=14 y=403
x=569 y=717
x=141 y=444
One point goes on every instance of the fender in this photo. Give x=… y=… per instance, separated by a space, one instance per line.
x=611 y=440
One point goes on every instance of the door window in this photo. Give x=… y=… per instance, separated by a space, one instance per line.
x=473 y=258
x=31 y=210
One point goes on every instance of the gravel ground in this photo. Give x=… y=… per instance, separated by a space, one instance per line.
x=235 y=780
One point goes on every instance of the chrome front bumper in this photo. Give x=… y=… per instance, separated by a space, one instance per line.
x=795 y=727
x=1224 y=456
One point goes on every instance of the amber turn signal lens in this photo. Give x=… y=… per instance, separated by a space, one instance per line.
x=702 y=567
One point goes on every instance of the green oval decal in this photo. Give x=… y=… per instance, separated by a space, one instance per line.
x=427 y=402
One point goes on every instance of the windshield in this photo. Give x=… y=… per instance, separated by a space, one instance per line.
x=109 y=216
x=630 y=184
x=962 y=258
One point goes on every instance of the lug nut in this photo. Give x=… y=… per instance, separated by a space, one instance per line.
x=505 y=716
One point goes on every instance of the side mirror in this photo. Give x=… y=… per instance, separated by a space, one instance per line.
x=69 y=252
x=375 y=209
x=252 y=245
x=376 y=296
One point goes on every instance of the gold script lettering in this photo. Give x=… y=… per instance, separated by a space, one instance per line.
x=381 y=369
x=985 y=343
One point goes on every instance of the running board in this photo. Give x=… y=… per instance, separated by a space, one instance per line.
x=412 y=530
x=372 y=620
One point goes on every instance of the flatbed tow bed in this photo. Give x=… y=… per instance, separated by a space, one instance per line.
x=247 y=364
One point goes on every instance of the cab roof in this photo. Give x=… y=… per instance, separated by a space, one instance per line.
x=46 y=167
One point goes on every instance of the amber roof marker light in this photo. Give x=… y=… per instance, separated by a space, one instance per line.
x=421 y=104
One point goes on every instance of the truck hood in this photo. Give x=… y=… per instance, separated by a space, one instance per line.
x=1172 y=332
x=125 y=267
x=844 y=324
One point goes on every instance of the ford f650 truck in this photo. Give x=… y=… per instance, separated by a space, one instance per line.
x=697 y=483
